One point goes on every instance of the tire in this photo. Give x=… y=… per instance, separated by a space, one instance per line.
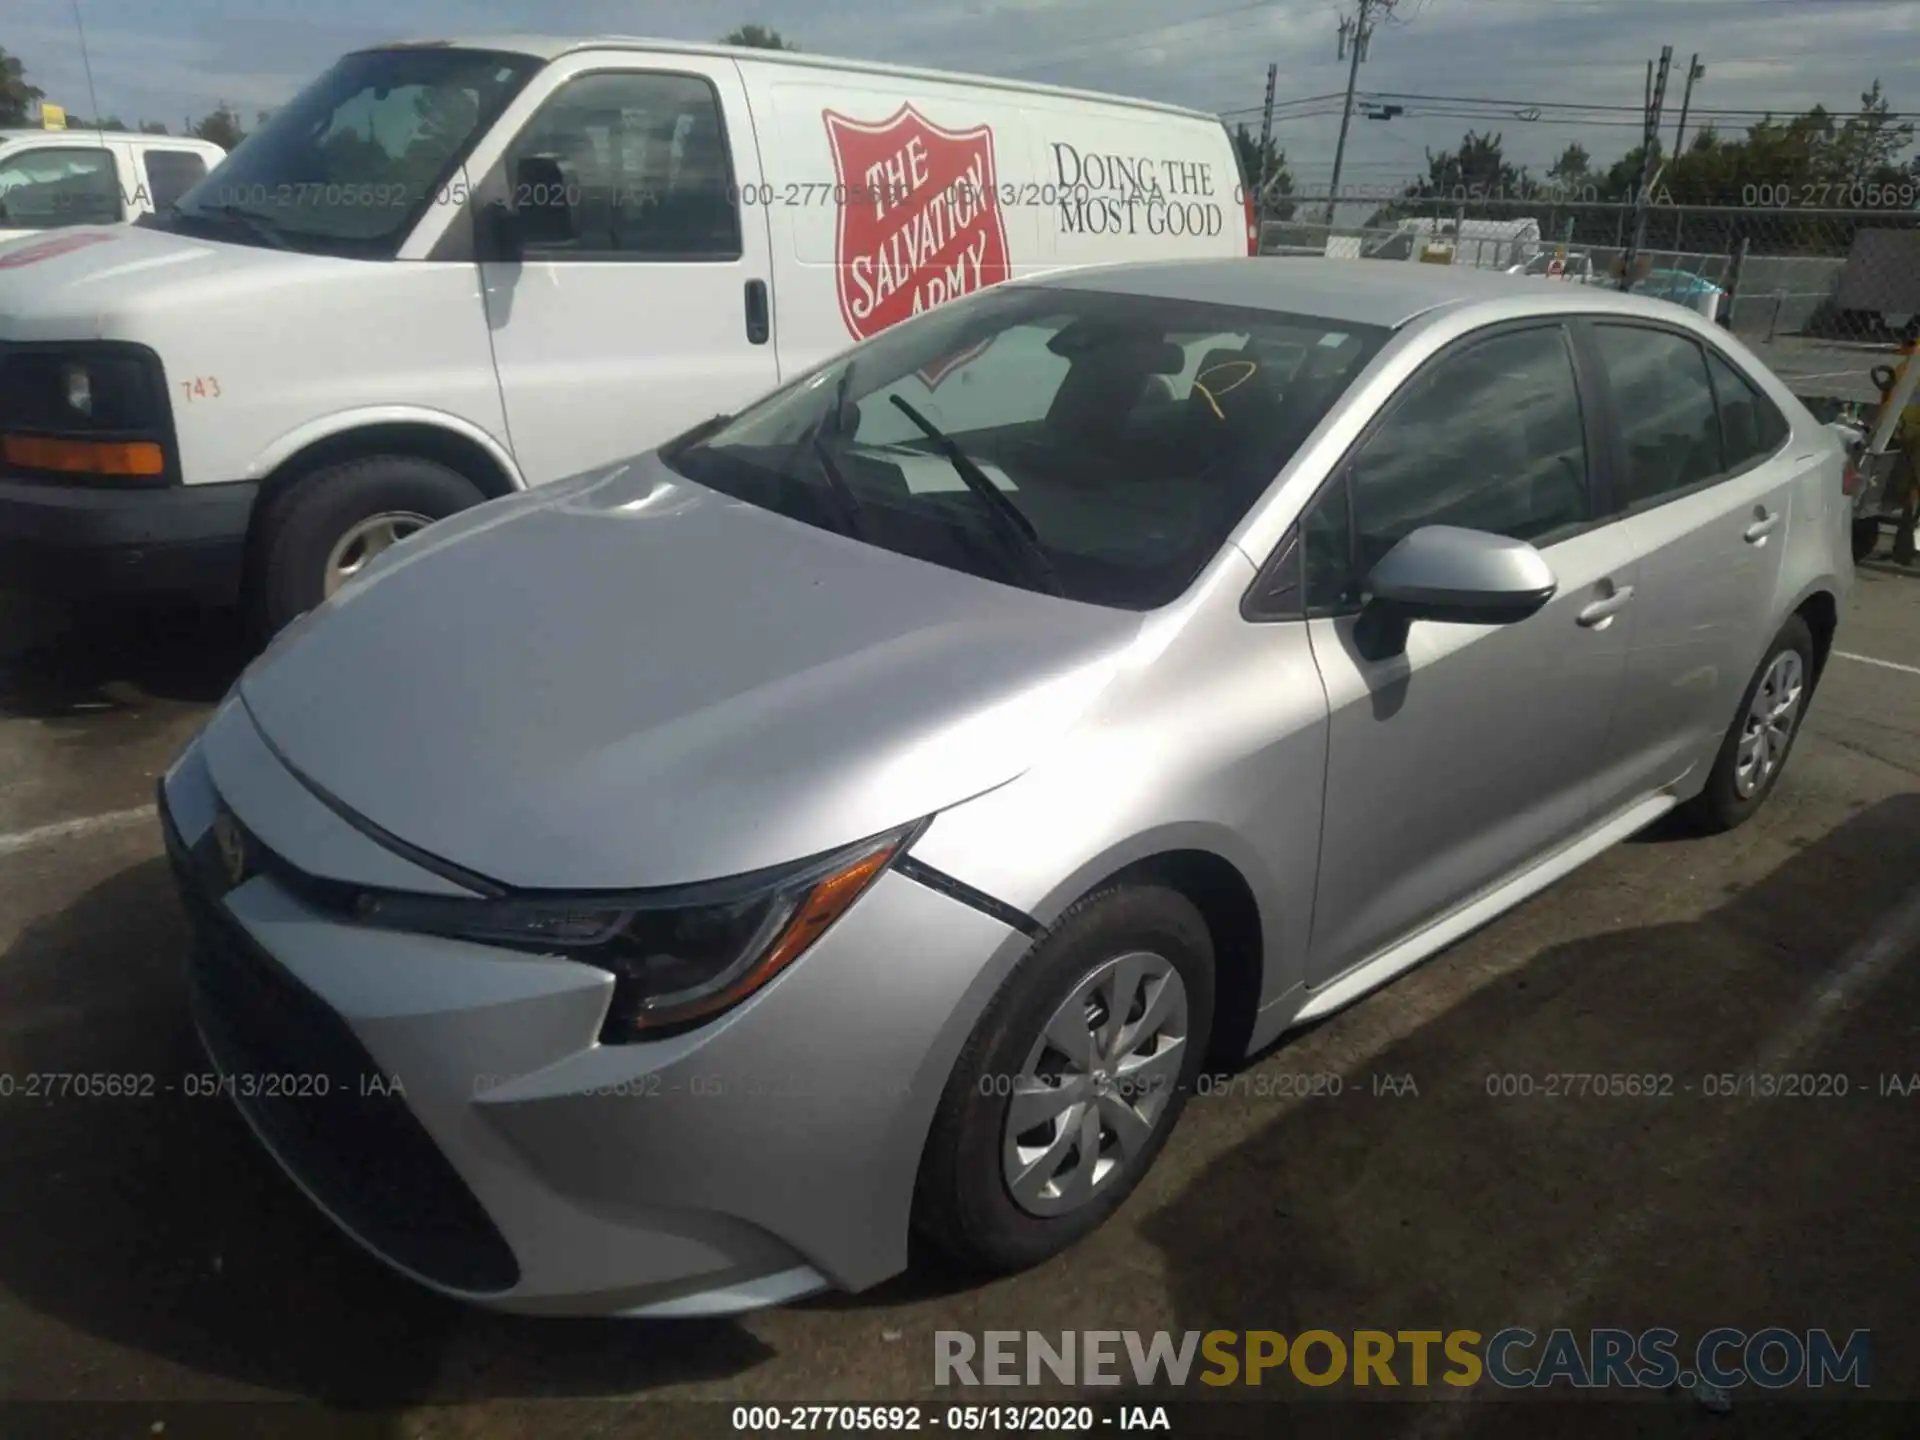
x=964 y=1203
x=1721 y=806
x=1866 y=539
x=300 y=528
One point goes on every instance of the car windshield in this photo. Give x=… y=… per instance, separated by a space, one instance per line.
x=1129 y=434
x=352 y=162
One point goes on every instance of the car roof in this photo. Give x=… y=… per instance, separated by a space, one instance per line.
x=552 y=47
x=1385 y=293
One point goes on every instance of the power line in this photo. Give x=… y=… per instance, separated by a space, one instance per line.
x=1595 y=106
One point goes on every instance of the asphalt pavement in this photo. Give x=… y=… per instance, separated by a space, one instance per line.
x=150 y=1255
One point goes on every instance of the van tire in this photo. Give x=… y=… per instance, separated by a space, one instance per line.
x=300 y=526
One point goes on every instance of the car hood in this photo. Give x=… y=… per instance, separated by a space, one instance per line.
x=91 y=282
x=627 y=680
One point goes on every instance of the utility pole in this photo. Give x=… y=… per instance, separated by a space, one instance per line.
x=1266 y=141
x=1354 y=35
x=1650 y=139
x=1695 y=71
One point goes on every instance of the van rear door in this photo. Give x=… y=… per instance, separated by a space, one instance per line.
x=642 y=304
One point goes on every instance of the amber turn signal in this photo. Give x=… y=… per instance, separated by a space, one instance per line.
x=84 y=457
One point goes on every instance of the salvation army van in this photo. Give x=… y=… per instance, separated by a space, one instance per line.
x=446 y=272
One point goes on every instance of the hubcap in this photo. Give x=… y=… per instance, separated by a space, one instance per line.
x=1769 y=723
x=355 y=549
x=1096 y=1085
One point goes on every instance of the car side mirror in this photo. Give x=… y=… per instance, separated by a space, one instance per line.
x=1445 y=573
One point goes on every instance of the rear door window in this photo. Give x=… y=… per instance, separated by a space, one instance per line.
x=1669 y=423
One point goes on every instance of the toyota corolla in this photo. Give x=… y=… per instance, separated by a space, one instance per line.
x=665 y=892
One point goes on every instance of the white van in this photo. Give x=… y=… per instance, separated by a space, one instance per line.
x=51 y=179
x=445 y=272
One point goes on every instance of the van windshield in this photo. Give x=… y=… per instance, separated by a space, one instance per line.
x=350 y=165
x=1127 y=434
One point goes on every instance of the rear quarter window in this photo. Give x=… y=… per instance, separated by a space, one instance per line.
x=1751 y=425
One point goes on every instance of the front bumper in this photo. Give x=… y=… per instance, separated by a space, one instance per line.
x=475 y=1135
x=77 y=540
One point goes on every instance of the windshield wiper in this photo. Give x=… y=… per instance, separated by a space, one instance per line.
x=257 y=226
x=1005 y=516
x=816 y=436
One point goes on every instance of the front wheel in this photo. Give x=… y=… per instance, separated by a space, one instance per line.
x=1071 y=1082
x=1755 y=749
x=332 y=524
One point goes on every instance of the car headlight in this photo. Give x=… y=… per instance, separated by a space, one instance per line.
x=96 y=409
x=676 y=956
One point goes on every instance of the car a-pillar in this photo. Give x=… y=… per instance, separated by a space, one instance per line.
x=329 y=510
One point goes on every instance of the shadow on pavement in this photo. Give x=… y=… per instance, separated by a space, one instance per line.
x=56 y=663
x=1454 y=1207
x=158 y=1224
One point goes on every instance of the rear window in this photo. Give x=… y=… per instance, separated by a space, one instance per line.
x=1130 y=433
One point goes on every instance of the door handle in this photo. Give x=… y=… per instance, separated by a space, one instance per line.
x=757 y=326
x=1605 y=608
x=1763 y=527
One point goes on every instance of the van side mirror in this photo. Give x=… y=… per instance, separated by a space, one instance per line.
x=1446 y=573
x=543 y=201
x=497 y=235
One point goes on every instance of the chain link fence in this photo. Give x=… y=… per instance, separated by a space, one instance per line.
x=1823 y=295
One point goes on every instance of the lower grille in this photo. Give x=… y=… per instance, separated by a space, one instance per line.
x=348 y=1138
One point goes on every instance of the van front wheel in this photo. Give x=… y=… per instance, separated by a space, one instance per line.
x=330 y=525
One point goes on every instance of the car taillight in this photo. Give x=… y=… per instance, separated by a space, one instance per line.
x=1253 y=227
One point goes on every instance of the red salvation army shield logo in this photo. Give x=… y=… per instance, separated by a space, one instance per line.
x=47 y=249
x=921 y=224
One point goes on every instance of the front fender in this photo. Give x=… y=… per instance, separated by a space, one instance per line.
x=285 y=447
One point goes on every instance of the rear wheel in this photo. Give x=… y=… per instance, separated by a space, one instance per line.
x=1756 y=746
x=1071 y=1082
x=1866 y=538
x=332 y=524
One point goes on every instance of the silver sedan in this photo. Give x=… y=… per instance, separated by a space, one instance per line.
x=664 y=892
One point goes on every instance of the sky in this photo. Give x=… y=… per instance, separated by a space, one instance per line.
x=176 y=58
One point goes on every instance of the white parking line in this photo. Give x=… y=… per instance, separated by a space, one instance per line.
x=69 y=829
x=1883 y=664
x=1863 y=966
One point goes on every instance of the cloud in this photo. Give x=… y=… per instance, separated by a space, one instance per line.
x=167 y=61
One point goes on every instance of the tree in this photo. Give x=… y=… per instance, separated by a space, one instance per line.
x=1867 y=148
x=16 y=95
x=112 y=122
x=1573 y=170
x=222 y=127
x=152 y=127
x=757 y=37
x=1266 y=171
x=1476 y=171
